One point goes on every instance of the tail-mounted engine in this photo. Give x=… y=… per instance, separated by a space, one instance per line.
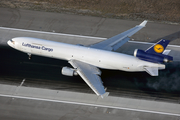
x=156 y=58
x=68 y=71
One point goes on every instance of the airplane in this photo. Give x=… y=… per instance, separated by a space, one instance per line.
x=86 y=60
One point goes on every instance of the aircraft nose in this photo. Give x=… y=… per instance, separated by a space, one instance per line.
x=10 y=43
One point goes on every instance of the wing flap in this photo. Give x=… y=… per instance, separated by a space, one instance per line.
x=90 y=74
x=119 y=44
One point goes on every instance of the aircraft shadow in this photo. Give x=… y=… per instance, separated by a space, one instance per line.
x=170 y=37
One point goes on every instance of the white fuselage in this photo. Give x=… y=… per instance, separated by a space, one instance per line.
x=99 y=58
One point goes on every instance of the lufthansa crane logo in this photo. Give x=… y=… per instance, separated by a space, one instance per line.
x=158 y=48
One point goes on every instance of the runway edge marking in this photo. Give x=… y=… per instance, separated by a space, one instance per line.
x=88 y=104
x=24 y=30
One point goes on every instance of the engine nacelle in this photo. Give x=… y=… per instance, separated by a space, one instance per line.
x=68 y=71
x=156 y=58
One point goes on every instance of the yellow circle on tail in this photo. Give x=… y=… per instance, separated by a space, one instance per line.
x=158 y=48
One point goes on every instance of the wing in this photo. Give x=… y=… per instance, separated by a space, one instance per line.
x=117 y=41
x=90 y=74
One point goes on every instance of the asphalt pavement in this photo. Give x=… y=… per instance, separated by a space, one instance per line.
x=45 y=73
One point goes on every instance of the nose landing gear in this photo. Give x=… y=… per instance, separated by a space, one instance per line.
x=29 y=56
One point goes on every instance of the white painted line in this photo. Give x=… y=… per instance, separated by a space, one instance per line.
x=71 y=35
x=17 y=89
x=22 y=83
x=88 y=104
x=51 y=33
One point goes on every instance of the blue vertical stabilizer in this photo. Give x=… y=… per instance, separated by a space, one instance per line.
x=159 y=47
x=156 y=53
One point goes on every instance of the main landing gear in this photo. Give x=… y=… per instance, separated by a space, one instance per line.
x=29 y=56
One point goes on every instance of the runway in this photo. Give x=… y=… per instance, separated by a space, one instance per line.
x=47 y=71
x=39 y=101
x=40 y=72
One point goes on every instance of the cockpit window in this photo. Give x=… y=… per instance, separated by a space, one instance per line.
x=12 y=41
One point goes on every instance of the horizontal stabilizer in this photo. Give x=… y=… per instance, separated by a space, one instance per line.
x=166 y=52
x=153 y=71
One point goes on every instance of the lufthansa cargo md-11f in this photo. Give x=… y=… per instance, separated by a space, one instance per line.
x=87 y=59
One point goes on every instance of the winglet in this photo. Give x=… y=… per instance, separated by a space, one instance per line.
x=143 y=24
x=105 y=95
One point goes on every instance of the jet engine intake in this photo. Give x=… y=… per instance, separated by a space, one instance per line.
x=68 y=71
